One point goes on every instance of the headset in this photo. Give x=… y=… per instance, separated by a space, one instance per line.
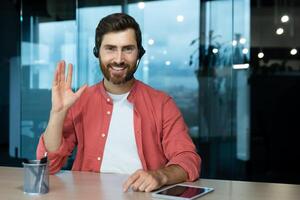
x=141 y=49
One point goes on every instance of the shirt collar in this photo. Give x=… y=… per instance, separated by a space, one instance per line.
x=131 y=95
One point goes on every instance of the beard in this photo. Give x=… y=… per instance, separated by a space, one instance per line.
x=118 y=78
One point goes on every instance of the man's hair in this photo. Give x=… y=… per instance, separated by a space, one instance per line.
x=114 y=23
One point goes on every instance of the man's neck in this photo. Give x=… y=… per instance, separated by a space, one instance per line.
x=120 y=88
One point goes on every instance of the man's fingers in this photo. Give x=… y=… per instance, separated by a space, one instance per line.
x=55 y=79
x=69 y=75
x=62 y=71
x=143 y=185
x=130 y=181
x=151 y=187
x=138 y=183
x=142 y=181
x=149 y=183
x=58 y=71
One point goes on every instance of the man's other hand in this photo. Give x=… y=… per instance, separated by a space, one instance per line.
x=145 y=181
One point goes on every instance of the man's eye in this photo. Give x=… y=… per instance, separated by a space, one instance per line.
x=109 y=48
x=128 y=49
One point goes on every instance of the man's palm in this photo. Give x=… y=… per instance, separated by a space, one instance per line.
x=62 y=95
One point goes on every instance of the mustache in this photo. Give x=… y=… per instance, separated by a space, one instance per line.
x=122 y=65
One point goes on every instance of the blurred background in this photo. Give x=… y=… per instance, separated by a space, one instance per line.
x=232 y=66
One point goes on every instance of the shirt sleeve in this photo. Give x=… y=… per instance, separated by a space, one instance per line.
x=178 y=146
x=58 y=158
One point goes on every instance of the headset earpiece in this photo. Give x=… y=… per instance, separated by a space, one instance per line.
x=96 y=52
x=142 y=51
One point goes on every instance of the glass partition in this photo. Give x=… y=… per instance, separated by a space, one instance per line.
x=223 y=95
x=167 y=38
x=48 y=35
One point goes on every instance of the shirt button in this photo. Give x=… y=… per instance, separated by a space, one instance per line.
x=99 y=158
x=103 y=134
x=108 y=112
x=108 y=100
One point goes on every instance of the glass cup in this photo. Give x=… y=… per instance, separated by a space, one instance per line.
x=36 y=177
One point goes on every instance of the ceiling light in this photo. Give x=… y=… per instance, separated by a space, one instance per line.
x=150 y=41
x=241 y=66
x=215 y=50
x=279 y=31
x=260 y=55
x=243 y=40
x=285 y=18
x=293 y=51
x=234 y=42
x=141 y=5
x=180 y=18
x=168 y=62
x=245 y=51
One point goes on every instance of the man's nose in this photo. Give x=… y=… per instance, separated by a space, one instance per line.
x=119 y=57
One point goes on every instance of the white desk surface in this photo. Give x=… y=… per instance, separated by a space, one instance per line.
x=99 y=186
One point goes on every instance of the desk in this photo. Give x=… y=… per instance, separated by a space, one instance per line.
x=85 y=185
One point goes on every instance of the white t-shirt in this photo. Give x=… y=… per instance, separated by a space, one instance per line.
x=120 y=151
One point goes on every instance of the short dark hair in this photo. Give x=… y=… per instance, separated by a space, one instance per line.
x=117 y=22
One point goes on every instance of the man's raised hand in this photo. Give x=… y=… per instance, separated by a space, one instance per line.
x=62 y=95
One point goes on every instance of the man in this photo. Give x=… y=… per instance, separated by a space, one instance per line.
x=119 y=125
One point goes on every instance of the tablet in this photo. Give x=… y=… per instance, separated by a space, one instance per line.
x=181 y=192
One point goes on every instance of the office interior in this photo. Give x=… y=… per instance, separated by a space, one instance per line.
x=232 y=66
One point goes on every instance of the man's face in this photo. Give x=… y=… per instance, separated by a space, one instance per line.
x=118 y=56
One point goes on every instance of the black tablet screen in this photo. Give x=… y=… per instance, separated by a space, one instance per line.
x=183 y=191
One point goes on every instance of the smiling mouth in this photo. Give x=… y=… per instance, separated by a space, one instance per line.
x=118 y=68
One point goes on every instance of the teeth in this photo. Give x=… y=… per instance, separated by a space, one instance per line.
x=118 y=68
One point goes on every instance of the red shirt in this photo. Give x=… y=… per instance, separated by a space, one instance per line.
x=160 y=131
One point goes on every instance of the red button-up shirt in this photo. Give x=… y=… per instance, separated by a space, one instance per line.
x=161 y=134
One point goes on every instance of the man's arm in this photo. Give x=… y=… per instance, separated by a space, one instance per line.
x=62 y=99
x=178 y=146
x=53 y=132
x=58 y=157
x=183 y=160
x=147 y=181
x=57 y=145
